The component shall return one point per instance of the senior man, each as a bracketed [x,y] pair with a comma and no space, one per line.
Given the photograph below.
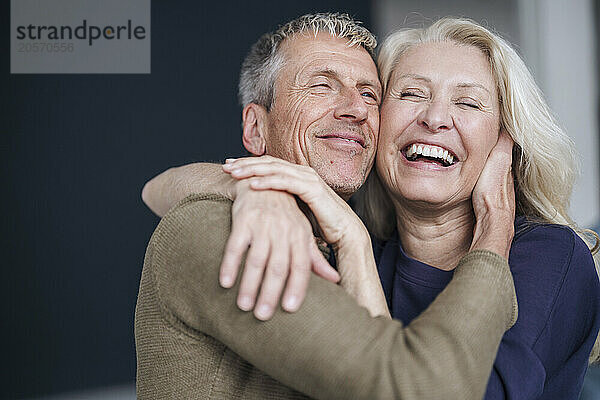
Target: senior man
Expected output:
[307,89]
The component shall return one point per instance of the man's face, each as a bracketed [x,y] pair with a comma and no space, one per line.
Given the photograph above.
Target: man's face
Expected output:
[325,112]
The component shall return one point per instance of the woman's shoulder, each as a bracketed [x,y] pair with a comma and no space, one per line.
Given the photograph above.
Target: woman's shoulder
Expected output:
[558,292]
[551,247]
[551,265]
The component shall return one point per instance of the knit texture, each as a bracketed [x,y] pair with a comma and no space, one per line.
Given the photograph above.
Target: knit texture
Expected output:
[192,340]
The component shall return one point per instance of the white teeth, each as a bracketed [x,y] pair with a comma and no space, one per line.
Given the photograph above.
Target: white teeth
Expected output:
[429,151]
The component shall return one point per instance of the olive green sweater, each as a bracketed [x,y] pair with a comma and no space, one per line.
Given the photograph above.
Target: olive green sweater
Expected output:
[194,343]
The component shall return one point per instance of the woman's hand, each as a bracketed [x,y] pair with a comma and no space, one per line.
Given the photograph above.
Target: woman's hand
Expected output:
[494,200]
[339,225]
[337,221]
[281,251]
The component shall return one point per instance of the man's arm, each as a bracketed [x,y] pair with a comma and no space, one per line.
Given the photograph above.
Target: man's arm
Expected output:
[332,348]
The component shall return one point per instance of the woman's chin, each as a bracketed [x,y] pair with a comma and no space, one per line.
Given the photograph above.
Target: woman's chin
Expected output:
[430,192]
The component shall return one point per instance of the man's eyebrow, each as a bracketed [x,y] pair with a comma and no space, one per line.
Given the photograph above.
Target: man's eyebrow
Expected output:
[325,72]
[368,82]
[334,74]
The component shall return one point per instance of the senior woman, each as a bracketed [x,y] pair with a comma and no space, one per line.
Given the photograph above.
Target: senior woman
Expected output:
[451,90]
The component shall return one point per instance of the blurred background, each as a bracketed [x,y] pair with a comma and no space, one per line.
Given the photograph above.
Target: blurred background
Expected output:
[77,149]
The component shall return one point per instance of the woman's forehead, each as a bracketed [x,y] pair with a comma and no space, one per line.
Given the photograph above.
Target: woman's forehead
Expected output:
[447,61]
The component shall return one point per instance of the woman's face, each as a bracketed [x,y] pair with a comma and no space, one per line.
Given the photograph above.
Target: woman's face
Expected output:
[440,119]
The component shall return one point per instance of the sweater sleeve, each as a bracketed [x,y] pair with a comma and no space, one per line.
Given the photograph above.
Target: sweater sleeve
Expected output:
[331,348]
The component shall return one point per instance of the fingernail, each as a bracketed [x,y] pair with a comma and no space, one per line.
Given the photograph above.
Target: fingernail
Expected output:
[245,303]
[227,166]
[263,312]
[291,303]
[230,160]
[226,281]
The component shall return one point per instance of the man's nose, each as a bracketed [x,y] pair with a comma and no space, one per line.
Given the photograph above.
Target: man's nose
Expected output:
[435,117]
[352,107]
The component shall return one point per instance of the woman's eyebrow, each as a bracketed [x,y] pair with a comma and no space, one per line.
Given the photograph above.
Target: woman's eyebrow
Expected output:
[471,85]
[415,76]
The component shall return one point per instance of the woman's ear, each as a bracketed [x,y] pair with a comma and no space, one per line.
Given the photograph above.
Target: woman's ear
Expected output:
[254,119]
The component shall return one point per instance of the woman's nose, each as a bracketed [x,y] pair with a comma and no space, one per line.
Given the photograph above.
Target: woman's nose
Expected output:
[435,117]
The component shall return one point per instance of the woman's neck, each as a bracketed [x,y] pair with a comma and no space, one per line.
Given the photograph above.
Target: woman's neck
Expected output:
[439,238]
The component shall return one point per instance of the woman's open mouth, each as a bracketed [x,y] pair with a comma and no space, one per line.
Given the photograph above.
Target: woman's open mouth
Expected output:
[427,152]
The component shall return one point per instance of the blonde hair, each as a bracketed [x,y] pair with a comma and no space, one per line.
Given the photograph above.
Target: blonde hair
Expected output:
[544,157]
[263,62]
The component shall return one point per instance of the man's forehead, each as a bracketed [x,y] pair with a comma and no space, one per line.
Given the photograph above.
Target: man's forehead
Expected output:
[307,54]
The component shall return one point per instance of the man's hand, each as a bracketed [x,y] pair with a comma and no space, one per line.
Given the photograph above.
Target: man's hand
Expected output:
[281,250]
[494,201]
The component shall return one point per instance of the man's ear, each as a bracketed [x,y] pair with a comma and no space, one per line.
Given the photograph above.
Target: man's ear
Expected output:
[254,118]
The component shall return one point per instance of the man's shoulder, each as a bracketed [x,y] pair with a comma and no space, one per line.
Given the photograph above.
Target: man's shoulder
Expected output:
[200,215]
[199,203]
[184,255]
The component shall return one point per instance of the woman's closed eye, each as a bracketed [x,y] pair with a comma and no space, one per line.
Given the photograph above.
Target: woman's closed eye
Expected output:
[407,94]
[468,103]
[412,95]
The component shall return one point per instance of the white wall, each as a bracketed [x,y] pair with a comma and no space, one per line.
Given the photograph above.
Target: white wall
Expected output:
[557,40]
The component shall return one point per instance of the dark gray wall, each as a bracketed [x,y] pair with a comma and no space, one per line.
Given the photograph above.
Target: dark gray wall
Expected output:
[75,152]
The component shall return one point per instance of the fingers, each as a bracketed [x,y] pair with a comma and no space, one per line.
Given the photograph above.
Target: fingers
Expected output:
[273,283]
[297,283]
[321,267]
[262,166]
[277,237]
[253,274]
[505,142]
[236,246]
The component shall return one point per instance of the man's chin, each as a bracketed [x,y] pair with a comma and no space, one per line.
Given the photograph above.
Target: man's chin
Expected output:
[345,176]
[345,186]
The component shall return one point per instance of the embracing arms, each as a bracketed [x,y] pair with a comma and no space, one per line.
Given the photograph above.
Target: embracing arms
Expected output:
[331,347]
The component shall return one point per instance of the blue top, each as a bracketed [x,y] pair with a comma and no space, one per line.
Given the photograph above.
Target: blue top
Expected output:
[545,354]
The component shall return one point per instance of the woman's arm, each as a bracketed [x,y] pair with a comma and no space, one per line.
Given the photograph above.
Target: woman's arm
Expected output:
[168,188]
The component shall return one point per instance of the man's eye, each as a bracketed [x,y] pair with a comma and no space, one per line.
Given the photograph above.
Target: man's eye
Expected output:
[321,85]
[369,94]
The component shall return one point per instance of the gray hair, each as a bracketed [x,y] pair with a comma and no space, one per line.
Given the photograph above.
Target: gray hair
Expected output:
[263,62]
